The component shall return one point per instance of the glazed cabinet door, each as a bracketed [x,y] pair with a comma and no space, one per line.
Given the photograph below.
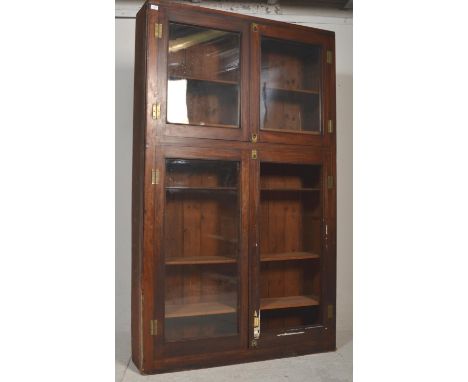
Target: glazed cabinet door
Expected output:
[292,85]
[201,292]
[291,256]
[202,75]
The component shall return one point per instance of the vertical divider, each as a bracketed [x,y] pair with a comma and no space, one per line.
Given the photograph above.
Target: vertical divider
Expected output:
[245,105]
[159,89]
[244,192]
[254,275]
[253,117]
[324,239]
[254,83]
[159,263]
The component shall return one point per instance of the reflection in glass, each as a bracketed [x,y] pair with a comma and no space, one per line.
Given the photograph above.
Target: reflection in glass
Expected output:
[177,112]
[203,76]
[290,86]
[201,248]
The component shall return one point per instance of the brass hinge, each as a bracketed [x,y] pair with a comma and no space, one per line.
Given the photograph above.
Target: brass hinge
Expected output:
[330,181]
[154,176]
[255,27]
[254,138]
[330,126]
[330,312]
[256,325]
[154,327]
[254,154]
[156,110]
[158,30]
[329,56]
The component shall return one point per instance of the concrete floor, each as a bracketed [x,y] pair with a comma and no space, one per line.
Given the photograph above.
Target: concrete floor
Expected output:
[326,367]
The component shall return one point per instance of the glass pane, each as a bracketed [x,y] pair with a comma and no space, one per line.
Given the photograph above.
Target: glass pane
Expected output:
[203,76]
[290,245]
[290,86]
[201,249]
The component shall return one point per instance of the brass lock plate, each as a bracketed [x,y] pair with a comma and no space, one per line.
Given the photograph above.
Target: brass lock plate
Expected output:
[256,325]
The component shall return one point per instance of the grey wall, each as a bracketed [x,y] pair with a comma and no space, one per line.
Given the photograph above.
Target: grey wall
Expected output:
[338,21]
[124,48]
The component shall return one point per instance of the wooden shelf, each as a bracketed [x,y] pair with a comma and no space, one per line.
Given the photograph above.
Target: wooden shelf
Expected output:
[199,309]
[292,131]
[299,189]
[303,91]
[209,124]
[201,188]
[287,302]
[288,256]
[214,80]
[189,260]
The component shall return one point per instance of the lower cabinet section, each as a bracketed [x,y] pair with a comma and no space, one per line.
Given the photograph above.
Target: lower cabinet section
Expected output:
[240,267]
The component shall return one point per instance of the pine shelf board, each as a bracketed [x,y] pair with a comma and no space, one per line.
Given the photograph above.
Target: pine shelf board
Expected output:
[287,302]
[289,189]
[198,309]
[302,91]
[199,188]
[214,80]
[189,260]
[295,131]
[288,256]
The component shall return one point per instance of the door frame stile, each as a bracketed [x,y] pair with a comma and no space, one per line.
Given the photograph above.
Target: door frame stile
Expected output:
[150,239]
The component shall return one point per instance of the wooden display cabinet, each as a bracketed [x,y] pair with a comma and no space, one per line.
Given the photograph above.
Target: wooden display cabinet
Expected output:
[234,196]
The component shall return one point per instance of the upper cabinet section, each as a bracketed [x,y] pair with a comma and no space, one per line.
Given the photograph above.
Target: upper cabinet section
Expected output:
[291,86]
[231,77]
[203,77]
[202,74]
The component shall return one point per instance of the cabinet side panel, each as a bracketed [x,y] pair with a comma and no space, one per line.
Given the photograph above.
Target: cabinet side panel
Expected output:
[139,123]
[333,199]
